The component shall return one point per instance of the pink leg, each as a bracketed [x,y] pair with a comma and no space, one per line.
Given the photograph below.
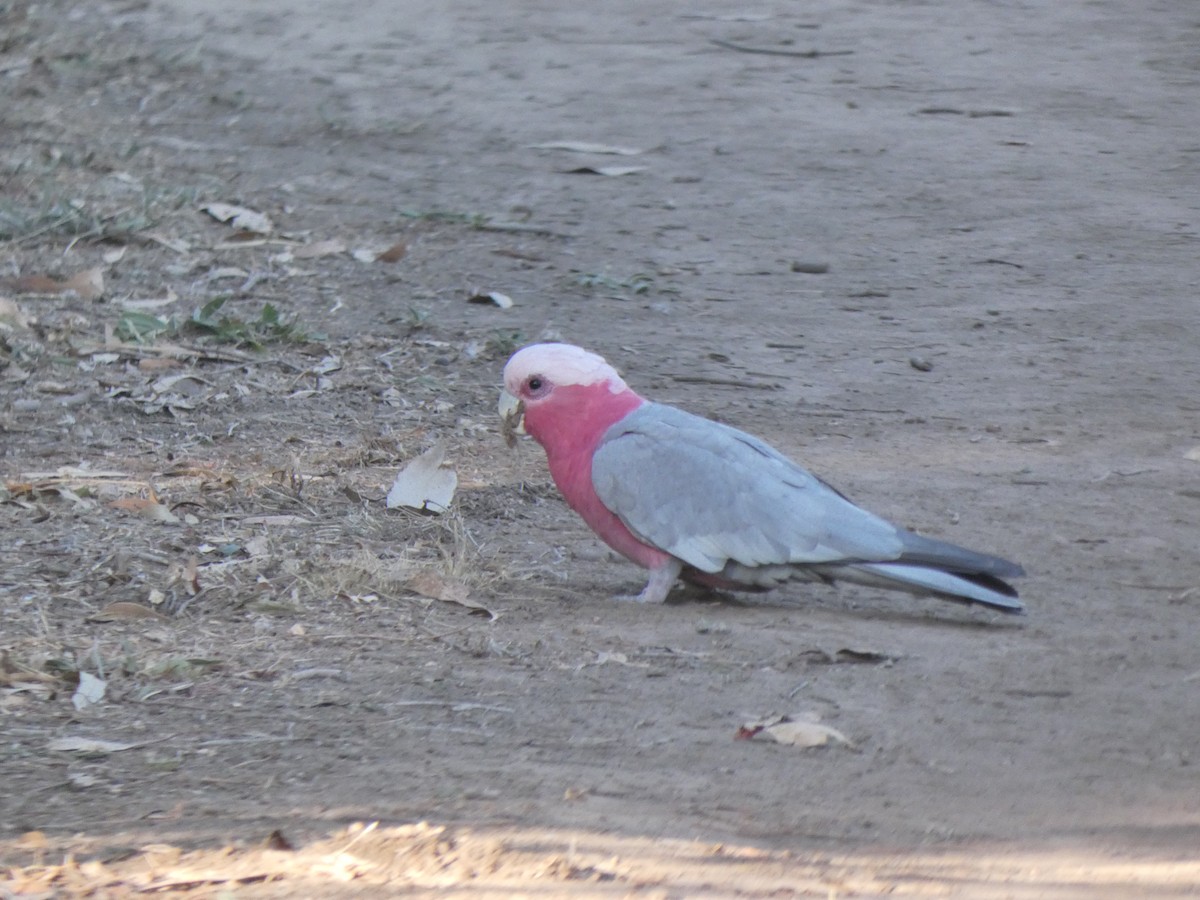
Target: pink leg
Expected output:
[662,579]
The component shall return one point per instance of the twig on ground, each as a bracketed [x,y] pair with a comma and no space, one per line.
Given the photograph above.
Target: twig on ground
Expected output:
[771,51]
[725,382]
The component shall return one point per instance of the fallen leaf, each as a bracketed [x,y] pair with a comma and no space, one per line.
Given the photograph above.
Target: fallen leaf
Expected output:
[158,364]
[87,285]
[87,745]
[259,545]
[394,253]
[327,365]
[81,781]
[818,656]
[608,656]
[240,217]
[90,691]
[493,297]
[276,840]
[37,284]
[11,314]
[436,587]
[276,520]
[177,244]
[226,272]
[13,679]
[33,840]
[318,249]
[862,655]
[804,733]
[147,507]
[585,147]
[607,171]
[124,611]
[423,484]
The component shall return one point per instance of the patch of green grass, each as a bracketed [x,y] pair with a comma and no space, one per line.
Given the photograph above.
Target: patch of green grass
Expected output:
[271,327]
[142,328]
[417,318]
[54,214]
[638,283]
[502,344]
[475,220]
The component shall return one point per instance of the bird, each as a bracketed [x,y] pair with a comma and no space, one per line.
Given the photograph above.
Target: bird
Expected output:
[689,498]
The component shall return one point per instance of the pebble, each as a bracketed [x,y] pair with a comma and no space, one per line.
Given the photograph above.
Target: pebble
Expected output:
[810,268]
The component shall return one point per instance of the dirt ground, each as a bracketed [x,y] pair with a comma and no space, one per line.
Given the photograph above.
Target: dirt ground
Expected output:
[945,253]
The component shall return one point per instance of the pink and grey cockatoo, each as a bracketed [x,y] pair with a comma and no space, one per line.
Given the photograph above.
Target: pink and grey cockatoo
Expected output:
[681,495]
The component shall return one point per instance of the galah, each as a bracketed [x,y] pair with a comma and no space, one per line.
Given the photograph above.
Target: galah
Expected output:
[687,497]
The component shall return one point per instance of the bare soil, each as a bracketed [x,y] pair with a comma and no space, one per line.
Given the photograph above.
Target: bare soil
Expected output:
[944,253]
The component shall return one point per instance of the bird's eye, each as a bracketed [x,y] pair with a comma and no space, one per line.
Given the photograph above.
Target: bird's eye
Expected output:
[535,383]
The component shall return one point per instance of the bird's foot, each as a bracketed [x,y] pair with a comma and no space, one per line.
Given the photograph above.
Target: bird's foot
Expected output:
[658,586]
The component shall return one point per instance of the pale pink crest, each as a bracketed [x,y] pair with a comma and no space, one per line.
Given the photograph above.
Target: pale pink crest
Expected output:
[564,364]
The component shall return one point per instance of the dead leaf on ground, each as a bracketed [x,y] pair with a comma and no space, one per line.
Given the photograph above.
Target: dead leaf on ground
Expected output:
[87,285]
[147,507]
[394,253]
[276,520]
[33,840]
[89,692]
[852,655]
[124,611]
[438,587]
[803,733]
[423,484]
[157,364]
[87,745]
[12,673]
[240,217]
[495,298]
[607,171]
[586,147]
[612,656]
[11,314]
[317,249]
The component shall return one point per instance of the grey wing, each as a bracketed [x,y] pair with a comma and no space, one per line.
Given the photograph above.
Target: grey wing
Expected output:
[709,494]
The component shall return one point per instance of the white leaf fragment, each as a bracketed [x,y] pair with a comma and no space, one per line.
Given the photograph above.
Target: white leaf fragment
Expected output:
[494,297]
[423,483]
[90,691]
[607,171]
[240,217]
[804,732]
[317,249]
[585,147]
[87,745]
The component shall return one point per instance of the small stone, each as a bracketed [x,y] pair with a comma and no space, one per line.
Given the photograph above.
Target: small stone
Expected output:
[810,268]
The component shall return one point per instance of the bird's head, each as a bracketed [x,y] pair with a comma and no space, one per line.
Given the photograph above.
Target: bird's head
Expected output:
[556,387]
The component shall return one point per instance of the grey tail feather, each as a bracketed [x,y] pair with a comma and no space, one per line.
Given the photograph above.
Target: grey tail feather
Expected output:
[968,587]
[922,551]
